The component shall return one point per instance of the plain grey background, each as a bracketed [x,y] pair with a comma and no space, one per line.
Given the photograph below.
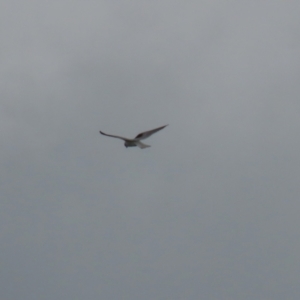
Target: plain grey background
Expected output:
[211,210]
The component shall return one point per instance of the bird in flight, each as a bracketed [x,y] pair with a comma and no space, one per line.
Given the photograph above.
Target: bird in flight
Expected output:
[137,140]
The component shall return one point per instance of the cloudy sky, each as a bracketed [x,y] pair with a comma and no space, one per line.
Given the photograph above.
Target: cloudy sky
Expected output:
[211,210]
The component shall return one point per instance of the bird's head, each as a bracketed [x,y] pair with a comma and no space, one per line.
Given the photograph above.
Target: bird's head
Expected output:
[129,144]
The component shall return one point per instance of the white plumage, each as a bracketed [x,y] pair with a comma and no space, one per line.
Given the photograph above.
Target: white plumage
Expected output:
[137,140]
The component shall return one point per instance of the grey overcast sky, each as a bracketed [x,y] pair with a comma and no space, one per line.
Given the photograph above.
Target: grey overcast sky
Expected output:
[211,210]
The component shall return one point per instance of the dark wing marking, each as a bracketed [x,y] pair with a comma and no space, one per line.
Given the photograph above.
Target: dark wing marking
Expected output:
[114,136]
[146,134]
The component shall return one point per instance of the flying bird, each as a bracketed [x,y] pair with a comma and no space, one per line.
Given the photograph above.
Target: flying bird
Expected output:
[137,140]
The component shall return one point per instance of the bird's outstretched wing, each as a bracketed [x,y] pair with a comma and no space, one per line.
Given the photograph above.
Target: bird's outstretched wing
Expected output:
[146,134]
[114,136]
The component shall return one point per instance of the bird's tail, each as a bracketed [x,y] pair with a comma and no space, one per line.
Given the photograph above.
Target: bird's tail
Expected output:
[141,145]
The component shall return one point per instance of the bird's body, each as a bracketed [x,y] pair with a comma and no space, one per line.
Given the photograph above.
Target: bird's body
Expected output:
[136,141]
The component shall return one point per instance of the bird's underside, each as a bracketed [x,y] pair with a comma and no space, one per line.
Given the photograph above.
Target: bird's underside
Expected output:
[136,141]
